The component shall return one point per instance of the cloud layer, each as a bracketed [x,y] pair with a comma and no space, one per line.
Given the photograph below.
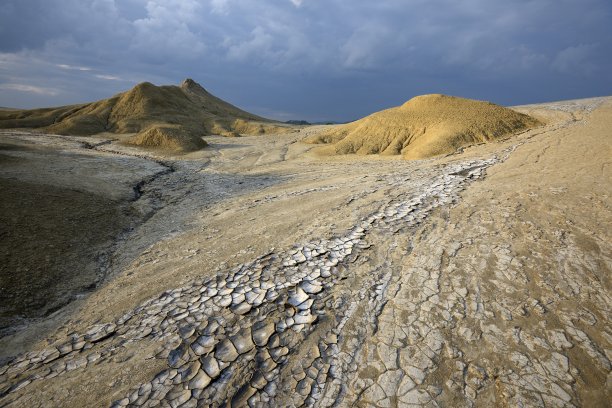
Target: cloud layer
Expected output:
[312,59]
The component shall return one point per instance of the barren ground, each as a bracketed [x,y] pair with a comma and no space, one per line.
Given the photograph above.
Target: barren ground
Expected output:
[256,272]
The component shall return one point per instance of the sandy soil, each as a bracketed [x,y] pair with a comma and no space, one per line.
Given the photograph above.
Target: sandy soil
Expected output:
[493,290]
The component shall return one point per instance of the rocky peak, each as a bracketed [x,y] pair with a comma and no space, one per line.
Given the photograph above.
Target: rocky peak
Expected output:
[189,84]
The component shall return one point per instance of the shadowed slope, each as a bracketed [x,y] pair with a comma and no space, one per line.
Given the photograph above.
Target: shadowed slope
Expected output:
[425,126]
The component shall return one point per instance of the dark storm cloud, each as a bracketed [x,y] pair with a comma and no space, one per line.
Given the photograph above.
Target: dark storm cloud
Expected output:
[312,59]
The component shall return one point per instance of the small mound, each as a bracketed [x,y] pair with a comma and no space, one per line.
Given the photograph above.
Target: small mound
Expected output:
[239,127]
[168,138]
[256,128]
[426,126]
[229,133]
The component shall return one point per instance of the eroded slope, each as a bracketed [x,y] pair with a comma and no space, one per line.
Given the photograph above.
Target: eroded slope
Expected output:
[426,126]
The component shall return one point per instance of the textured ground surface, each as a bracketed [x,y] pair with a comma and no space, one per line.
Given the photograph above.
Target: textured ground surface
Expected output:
[258,274]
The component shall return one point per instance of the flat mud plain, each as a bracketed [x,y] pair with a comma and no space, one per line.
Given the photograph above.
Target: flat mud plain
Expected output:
[255,272]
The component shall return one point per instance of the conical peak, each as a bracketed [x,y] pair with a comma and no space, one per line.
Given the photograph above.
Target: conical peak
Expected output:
[187,82]
[190,85]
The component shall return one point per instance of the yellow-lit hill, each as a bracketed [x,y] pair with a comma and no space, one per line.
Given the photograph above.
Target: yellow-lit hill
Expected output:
[169,115]
[168,138]
[425,126]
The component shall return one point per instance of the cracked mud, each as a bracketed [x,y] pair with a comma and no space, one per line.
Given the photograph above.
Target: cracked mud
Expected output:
[265,277]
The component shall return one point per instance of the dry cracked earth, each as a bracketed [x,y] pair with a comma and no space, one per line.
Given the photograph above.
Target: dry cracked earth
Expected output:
[256,273]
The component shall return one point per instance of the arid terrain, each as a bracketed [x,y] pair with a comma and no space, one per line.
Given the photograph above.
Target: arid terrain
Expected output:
[259,272]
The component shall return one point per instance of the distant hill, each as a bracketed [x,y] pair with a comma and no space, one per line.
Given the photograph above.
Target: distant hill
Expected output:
[172,117]
[306,123]
[425,126]
[330,122]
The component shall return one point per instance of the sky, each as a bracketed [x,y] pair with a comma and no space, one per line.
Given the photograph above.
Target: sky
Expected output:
[316,60]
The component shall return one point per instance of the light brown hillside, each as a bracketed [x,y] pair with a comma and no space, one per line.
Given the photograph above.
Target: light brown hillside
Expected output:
[179,113]
[425,126]
[172,139]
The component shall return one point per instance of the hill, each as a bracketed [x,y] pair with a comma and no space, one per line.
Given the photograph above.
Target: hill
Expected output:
[425,126]
[182,114]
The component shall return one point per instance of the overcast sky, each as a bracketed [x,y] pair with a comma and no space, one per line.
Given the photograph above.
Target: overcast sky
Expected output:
[307,59]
